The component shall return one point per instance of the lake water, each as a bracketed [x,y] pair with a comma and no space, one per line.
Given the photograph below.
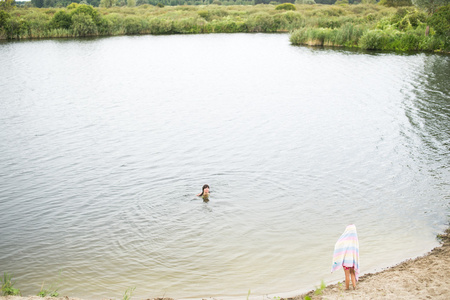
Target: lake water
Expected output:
[106,142]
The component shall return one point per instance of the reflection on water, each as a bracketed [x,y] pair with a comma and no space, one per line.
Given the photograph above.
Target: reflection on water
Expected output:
[102,157]
[427,106]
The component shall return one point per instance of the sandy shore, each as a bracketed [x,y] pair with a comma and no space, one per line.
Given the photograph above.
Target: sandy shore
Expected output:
[426,277]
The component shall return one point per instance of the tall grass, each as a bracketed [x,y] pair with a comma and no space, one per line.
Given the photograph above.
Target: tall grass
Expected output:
[8,288]
[347,35]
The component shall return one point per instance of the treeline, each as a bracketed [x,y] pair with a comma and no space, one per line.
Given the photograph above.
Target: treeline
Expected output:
[110,3]
[363,26]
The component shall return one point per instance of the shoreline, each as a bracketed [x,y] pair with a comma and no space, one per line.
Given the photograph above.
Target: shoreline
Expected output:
[423,277]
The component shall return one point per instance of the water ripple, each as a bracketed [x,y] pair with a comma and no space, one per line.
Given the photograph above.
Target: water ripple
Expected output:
[99,171]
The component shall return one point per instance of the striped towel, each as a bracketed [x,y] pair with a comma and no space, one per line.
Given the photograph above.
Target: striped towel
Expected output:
[346,251]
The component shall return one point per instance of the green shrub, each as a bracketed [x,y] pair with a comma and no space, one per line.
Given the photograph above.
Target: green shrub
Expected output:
[72,5]
[261,22]
[16,28]
[83,25]
[349,34]
[299,37]
[160,26]
[133,25]
[61,19]
[409,41]
[329,22]
[440,20]
[372,40]
[341,2]
[395,3]
[289,20]
[4,17]
[112,24]
[86,10]
[285,6]
[205,14]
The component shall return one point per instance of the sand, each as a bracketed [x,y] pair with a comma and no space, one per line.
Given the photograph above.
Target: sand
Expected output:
[425,277]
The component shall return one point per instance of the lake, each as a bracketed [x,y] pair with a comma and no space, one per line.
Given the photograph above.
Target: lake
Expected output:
[106,142]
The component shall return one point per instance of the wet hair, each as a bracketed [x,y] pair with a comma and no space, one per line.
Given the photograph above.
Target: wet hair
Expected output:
[203,189]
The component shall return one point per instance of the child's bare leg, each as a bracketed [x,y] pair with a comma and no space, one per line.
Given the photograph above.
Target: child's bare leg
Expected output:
[347,278]
[352,272]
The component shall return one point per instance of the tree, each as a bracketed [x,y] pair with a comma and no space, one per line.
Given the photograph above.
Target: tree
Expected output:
[7,4]
[83,25]
[440,20]
[131,3]
[4,17]
[87,10]
[107,3]
[38,3]
[430,5]
[61,19]
[305,2]
[395,3]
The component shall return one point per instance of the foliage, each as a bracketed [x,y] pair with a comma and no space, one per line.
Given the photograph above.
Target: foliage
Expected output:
[4,17]
[61,19]
[83,25]
[430,5]
[132,25]
[8,286]
[72,5]
[383,28]
[341,2]
[395,3]
[88,10]
[440,20]
[128,293]
[107,3]
[52,290]
[305,2]
[285,6]
[319,290]
[6,4]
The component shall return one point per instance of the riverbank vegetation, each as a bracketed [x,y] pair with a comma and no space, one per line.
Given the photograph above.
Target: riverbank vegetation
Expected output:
[366,26]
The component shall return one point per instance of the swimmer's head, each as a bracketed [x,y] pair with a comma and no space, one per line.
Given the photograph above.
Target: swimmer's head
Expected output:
[205,190]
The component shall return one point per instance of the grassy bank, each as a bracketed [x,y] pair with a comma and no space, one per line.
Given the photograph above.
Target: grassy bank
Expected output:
[365,26]
[404,29]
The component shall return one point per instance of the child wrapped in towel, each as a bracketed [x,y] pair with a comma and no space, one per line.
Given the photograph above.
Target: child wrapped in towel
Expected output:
[346,255]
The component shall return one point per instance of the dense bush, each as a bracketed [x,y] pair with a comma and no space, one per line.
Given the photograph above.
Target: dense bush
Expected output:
[440,20]
[83,25]
[395,3]
[61,19]
[285,6]
[133,25]
[86,10]
[4,17]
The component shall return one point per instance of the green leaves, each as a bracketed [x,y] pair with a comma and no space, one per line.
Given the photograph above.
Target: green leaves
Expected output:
[8,286]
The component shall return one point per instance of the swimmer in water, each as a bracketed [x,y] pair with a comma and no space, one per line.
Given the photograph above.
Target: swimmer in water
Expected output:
[205,192]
